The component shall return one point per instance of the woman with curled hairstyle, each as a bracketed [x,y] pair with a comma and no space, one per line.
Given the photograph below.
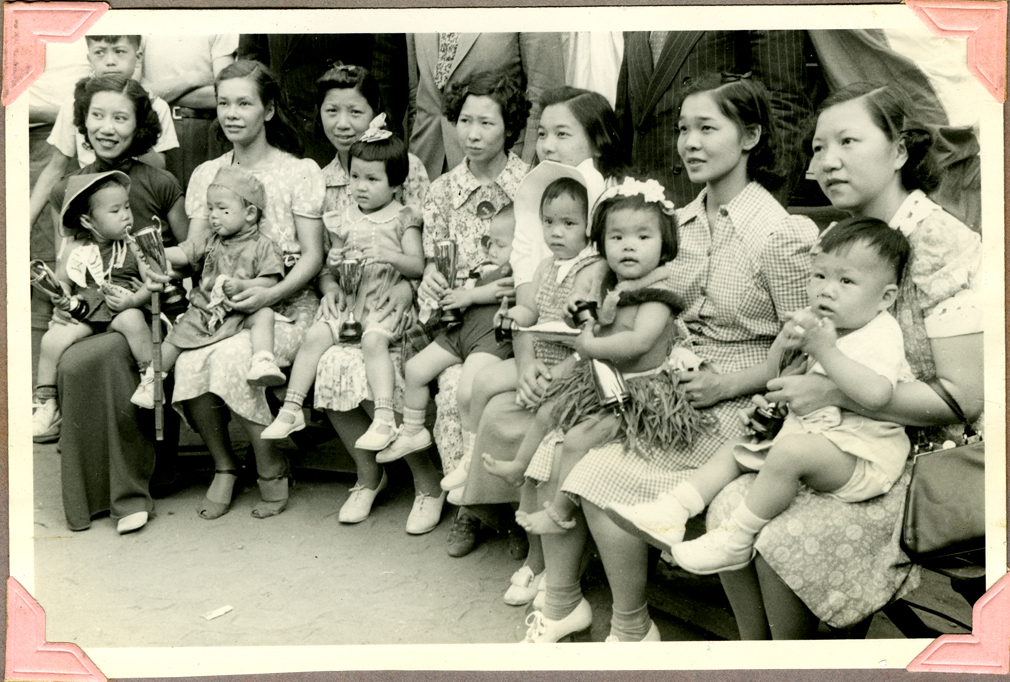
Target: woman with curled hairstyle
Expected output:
[109,469]
[871,159]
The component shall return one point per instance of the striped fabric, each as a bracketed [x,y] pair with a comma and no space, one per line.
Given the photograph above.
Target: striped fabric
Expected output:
[647,97]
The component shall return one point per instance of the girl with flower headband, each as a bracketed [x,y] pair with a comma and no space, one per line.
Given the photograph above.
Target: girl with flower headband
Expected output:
[635,231]
[741,269]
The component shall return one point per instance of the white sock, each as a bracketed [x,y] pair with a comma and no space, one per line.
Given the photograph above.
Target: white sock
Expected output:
[689,496]
[747,521]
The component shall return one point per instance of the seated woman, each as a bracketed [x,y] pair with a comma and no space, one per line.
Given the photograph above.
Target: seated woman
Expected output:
[741,270]
[789,588]
[110,469]
[212,380]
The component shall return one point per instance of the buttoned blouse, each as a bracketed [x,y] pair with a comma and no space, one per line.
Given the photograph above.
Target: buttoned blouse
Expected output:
[741,276]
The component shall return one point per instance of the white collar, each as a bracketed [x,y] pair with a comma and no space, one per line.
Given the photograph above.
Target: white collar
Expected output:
[913,210]
[565,266]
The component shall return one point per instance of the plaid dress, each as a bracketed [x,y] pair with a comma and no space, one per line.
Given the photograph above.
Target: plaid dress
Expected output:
[739,277]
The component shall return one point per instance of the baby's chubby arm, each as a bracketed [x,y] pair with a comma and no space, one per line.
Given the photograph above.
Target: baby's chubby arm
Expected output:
[860,383]
[234,286]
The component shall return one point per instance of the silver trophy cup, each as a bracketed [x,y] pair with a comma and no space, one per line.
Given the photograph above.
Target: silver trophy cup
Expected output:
[445,263]
[348,273]
[44,280]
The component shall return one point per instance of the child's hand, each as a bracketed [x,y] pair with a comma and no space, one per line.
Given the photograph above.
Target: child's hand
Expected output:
[817,334]
[532,384]
[457,298]
[335,255]
[118,298]
[373,253]
[232,287]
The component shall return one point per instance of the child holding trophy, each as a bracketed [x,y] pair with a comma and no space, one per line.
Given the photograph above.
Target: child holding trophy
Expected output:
[375,243]
[235,258]
[96,284]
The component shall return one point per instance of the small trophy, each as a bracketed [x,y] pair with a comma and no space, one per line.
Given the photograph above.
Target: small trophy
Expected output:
[445,263]
[150,249]
[767,421]
[44,280]
[348,273]
[506,327]
[608,380]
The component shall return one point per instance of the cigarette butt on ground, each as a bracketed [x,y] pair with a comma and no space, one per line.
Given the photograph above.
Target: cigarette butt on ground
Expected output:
[211,615]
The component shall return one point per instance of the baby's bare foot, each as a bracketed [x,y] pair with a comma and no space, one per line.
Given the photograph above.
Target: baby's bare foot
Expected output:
[541,523]
[513,471]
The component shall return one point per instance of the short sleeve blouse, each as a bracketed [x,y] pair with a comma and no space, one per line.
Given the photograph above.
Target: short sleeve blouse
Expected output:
[294,187]
[452,208]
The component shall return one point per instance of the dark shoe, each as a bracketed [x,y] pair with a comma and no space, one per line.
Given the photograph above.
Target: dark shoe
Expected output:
[463,534]
[519,544]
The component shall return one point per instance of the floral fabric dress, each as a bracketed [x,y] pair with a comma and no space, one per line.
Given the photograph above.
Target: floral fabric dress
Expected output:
[843,560]
[341,384]
[294,187]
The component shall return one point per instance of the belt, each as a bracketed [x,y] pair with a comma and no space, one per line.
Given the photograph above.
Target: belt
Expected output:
[186,112]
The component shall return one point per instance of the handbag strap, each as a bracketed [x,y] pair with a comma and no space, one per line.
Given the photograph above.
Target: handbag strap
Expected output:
[944,394]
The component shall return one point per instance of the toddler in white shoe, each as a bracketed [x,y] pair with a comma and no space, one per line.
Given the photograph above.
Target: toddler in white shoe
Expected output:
[234,258]
[847,335]
[385,236]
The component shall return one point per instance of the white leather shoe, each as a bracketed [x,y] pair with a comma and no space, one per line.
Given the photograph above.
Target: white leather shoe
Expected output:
[544,631]
[379,436]
[524,586]
[661,522]
[359,504]
[286,423]
[722,549]
[651,636]
[131,522]
[425,514]
[457,477]
[405,445]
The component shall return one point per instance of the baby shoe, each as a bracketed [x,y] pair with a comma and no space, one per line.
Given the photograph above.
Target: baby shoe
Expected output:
[661,522]
[524,586]
[723,549]
[263,370]
[378,436]
[651,636]
[455,496]
[425,514]
[405,445]
[144,395]
[545,631]
[457,477]
[287,422]
[46,421]
[359,503]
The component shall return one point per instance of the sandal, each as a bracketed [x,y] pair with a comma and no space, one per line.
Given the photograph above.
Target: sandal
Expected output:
[274,497]
[209,509]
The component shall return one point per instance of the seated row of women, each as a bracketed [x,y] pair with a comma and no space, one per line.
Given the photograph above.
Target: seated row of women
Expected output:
[621,427]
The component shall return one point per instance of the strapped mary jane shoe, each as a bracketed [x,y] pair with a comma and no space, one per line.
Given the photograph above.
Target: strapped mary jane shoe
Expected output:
[524,586]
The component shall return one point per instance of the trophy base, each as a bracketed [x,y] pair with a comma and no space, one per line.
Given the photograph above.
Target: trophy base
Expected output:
[350,332]
[452,317]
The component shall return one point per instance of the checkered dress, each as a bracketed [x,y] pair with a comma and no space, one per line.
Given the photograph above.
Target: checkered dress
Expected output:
[742,276]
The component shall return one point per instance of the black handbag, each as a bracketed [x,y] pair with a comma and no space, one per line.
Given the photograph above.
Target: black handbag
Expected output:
[945,507]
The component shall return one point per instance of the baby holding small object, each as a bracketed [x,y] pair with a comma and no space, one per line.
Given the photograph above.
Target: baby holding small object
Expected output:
[634,229]
[849,336]
[100,278]
[235,258]
[384,237]
[471,343]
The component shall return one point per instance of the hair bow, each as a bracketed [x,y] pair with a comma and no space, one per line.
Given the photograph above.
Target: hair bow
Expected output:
[377,130]
[650,190]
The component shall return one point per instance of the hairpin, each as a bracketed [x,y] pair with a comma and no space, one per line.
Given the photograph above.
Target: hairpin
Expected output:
[376,130]
[650,190]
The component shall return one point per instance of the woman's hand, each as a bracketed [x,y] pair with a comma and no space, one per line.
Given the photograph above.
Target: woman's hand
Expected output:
[433,285]
[332,304]
[703,388]
[395,301]
[505,287]
[803,393]
[61,316]
[253,299]
[532,384]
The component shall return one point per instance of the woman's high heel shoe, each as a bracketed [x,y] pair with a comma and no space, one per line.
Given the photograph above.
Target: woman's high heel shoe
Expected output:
[209,509]
[274,494]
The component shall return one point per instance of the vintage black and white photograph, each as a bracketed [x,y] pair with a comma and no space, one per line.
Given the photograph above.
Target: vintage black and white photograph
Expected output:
[514,338]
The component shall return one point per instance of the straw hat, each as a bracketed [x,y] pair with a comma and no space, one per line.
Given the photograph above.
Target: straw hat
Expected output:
[75,198]
[531,190]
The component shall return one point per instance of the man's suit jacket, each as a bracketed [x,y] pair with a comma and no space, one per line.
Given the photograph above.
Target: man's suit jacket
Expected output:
[647,97]
[532,58]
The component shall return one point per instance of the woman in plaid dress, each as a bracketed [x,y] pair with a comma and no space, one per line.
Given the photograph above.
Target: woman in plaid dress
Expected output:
[741,268]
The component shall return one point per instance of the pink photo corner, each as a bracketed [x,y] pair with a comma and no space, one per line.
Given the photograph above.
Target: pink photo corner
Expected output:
[28,26]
